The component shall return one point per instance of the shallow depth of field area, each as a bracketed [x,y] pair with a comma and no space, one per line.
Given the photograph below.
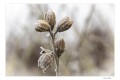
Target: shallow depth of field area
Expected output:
[89,43]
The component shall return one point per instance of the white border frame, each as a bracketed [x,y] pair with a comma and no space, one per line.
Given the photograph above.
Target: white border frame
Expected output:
[3,41]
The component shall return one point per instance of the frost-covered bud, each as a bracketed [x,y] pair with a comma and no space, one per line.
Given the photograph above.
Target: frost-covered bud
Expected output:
[42,26]
[60,46]
[50,18]
[45,60]
[64,24]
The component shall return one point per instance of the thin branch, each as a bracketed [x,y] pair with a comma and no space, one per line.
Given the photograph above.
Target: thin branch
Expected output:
[55,33]
[55,56]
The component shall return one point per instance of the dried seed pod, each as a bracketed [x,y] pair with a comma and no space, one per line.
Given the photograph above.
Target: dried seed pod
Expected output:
[64,24]
[42,26]
[60,46]
[45,61]
[50,18]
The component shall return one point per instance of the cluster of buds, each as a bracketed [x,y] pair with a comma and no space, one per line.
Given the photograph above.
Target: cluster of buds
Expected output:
[49,22]
[47,25]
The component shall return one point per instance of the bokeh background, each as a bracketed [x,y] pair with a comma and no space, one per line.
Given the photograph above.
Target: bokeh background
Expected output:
[89,43]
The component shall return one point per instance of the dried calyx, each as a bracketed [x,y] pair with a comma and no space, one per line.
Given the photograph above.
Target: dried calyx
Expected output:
[50,18]
[64,24]
[42,26]
[60,47]
[45,60]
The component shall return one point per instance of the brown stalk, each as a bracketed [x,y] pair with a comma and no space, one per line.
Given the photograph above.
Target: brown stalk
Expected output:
[54,51]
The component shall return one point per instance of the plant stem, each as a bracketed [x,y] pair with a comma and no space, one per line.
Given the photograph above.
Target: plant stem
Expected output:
[55,56]
[57,66]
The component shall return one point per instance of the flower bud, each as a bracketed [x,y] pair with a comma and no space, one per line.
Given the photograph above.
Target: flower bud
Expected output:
[45,61]
[64,24]
[42,26]
[50,18]
[60,46]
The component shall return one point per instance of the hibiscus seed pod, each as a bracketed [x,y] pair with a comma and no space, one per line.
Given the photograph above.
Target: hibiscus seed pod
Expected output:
[45,61]
[42,26]
[60,47]
[50,18]
[64,24]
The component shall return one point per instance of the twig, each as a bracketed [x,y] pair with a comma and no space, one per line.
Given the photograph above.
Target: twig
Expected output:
[55,56]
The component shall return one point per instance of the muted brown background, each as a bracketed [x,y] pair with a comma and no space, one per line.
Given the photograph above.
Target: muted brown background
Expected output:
[89,45]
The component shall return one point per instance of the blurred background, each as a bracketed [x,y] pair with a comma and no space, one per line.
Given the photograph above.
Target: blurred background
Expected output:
[92,34]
